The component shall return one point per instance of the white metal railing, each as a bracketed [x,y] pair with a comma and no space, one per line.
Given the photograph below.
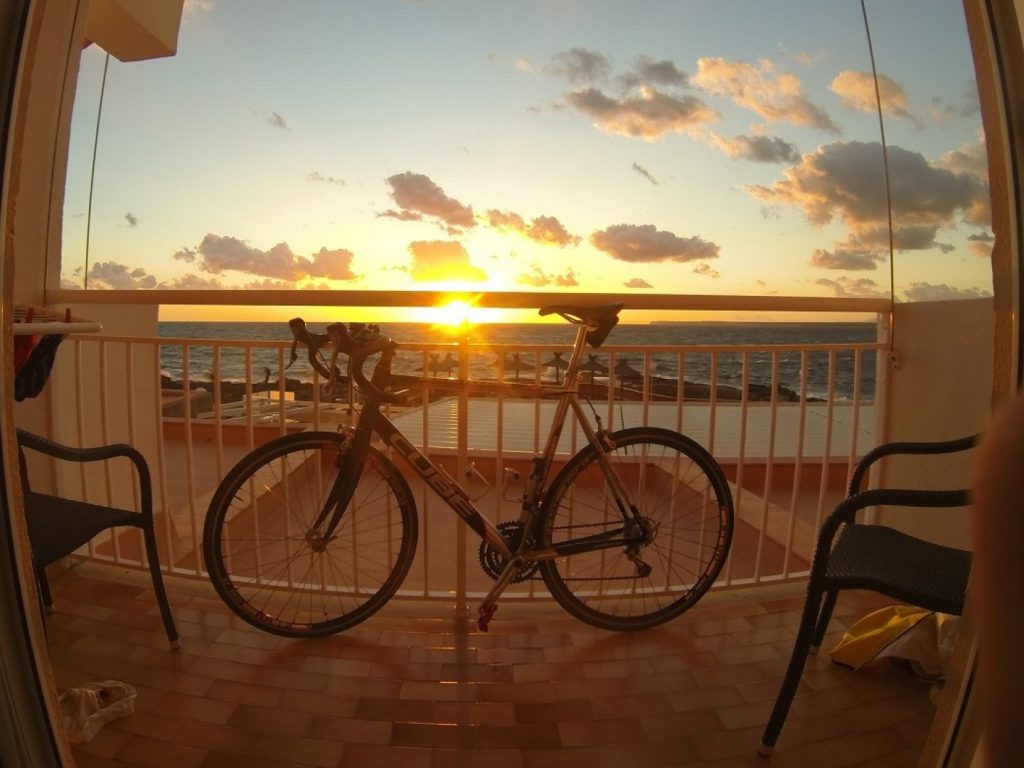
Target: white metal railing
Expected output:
[787,453]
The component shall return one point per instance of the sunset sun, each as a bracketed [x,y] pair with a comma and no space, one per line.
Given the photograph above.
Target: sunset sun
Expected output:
[454,314]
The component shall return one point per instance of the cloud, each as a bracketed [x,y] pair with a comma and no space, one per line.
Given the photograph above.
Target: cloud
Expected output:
[861,287]
[760,149]
[644,243]
[650,114]
[549,230]
[845,180]
[546,230]
[505,221]
[775,96]
[196,6]
[440,260]
[419,198]
[972,159]
[846,259]
[277,121]
[707,270]
[187,255]
[941,110]
[220,254]
[524,65]
[644,102]
[193,282]
[132,219]
[981,244]
[112,276]
[647,71]
[538,278]
[579,66]
[118,277]
[332,264]
[942,292]
[646,174]
[637,282]
[856,91]
[316,176]
[269,284]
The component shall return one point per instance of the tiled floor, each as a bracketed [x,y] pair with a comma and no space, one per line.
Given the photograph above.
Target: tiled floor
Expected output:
[415,687]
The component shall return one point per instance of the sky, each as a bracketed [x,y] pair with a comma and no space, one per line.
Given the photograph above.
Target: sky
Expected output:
[682,147]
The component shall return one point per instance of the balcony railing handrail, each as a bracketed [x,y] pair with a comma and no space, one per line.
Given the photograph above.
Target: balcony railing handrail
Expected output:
[637,349]
[489,299]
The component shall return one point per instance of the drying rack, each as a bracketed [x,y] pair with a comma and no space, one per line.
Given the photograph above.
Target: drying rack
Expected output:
[32,321]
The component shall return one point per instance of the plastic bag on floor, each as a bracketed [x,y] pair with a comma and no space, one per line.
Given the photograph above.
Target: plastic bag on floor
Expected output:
[923,639]
[86,710]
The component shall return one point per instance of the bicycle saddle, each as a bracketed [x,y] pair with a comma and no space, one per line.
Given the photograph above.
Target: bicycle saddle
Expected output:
[603,317]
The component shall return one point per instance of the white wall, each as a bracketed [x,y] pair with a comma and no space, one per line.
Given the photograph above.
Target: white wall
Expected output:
[941,388]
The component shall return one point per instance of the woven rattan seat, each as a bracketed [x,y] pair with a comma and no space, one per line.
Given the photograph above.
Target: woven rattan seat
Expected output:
[58,526]
[856,555]
[905,568]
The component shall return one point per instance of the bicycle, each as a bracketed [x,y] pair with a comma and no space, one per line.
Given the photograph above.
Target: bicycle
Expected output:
[312,532]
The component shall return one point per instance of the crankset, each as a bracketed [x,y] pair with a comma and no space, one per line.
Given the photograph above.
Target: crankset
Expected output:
[492,561]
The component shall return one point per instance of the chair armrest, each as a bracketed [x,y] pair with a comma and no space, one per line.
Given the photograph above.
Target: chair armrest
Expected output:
[905,448]
[97,453]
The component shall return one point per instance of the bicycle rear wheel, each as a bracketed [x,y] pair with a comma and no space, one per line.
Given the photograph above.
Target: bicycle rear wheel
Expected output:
[684,500]
[275,573]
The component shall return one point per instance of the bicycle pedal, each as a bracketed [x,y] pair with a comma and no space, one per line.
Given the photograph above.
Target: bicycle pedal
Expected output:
[486,613]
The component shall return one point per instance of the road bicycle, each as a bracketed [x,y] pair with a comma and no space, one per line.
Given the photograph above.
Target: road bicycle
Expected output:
[312,532]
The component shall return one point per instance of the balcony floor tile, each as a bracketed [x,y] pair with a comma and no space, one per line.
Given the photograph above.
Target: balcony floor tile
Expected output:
[412,686]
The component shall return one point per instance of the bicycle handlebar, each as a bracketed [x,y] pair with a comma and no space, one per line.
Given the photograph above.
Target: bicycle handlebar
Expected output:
[359,341]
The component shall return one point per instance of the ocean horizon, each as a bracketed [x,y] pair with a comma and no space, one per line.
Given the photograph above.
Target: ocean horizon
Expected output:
[695,367]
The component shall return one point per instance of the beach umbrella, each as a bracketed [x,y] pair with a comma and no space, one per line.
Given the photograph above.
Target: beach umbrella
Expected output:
[435,365]
[623,371]
[594,366]
[515,363]
[449,363]
[558,364]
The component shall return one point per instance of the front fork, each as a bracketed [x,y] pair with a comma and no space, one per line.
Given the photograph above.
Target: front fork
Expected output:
[350,460]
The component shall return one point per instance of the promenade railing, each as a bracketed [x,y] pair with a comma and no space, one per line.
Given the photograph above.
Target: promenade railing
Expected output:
[787,422]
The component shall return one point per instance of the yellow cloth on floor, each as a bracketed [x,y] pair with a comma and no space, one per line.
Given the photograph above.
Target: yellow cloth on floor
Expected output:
[870,636]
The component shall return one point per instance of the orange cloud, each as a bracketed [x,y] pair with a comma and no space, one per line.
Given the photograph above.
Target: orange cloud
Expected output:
[775,96]
[440,260]
[856,90]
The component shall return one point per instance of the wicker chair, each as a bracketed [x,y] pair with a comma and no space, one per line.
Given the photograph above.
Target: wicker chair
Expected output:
[58,526]
[852,555]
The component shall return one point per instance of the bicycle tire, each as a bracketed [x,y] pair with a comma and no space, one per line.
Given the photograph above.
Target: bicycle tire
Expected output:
[265,568]
[679,489]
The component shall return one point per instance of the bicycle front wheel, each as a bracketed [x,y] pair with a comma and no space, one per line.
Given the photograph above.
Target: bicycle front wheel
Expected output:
[684,503]
[274,570]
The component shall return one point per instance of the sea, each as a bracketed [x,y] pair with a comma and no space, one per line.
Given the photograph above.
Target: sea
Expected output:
[424,346]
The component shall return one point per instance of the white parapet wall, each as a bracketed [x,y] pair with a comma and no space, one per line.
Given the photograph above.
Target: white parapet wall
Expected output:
[940,389]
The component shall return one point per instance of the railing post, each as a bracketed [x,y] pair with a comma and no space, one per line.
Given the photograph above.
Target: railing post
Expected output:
[461,463]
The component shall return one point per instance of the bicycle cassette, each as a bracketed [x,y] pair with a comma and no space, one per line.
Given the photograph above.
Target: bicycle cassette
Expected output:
[492,561]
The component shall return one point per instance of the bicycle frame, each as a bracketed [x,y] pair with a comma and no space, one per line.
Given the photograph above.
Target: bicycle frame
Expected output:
[373,420]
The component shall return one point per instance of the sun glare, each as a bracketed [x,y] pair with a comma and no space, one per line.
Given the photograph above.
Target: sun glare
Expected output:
[455,314]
